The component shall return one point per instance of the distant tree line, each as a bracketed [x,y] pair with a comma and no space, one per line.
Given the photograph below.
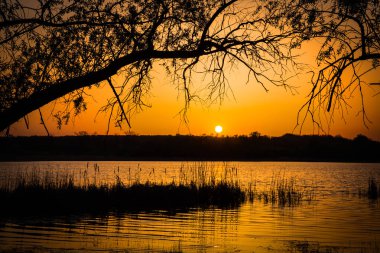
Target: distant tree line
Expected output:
[255,147]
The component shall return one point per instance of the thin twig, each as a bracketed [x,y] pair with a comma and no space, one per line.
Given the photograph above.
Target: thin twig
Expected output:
[43,122]
[119,101]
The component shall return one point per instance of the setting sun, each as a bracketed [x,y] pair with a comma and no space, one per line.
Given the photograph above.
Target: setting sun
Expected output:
[218,129]
[107,109]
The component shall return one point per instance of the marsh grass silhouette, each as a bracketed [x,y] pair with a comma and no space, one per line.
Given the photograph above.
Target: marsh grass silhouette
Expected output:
[373,188]
[281,191]
[49,192]
[372,191]
[198,186]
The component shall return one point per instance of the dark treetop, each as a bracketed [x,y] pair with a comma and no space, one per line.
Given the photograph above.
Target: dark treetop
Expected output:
[55,49]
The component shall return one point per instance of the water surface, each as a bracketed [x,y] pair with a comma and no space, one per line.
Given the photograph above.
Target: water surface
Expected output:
[338,220]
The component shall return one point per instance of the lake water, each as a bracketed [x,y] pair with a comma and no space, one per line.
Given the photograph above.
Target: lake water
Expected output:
[336,220]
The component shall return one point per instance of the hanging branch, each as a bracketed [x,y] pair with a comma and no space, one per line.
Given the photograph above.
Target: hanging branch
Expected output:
[43,122]
[119,102]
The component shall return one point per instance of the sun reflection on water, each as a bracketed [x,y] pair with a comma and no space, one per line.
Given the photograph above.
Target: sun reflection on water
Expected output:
[337,221]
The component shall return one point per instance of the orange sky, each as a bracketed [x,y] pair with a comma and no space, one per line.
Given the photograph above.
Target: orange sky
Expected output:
[272,113]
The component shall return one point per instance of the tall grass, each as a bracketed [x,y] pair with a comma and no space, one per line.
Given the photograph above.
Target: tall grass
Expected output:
[372,191]
[51,192]
[198,185]
[373,188]
[282,191]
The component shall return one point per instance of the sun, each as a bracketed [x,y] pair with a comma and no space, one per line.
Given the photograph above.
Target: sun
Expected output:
[218,129]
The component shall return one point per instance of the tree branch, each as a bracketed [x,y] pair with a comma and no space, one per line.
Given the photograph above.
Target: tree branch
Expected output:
[57,90]
[118,101]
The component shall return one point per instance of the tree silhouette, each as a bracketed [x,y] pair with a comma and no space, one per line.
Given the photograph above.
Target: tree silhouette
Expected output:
[351,45]
[55,49]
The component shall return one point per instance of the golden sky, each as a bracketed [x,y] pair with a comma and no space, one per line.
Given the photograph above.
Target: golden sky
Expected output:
[249,108]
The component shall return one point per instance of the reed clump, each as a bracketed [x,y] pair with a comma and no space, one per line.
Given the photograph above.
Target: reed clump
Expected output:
[281,191]
[198,185]
[50,193]
[373,188]
[372,191]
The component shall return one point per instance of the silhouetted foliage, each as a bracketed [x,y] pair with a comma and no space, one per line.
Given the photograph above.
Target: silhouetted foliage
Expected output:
[50,193]
[351,45]
[37,198]
[53,49]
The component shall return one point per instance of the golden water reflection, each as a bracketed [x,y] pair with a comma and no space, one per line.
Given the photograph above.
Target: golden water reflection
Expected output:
[336,221]
[254,227]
